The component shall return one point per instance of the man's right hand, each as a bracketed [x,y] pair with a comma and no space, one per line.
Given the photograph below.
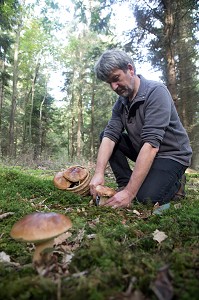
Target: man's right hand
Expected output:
[97,179]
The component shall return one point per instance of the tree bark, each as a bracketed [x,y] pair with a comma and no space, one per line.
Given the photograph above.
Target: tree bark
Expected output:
[12,146]
[92,151]
[79,126]
[32,96]
[1,102]
[40,122]
[169,22]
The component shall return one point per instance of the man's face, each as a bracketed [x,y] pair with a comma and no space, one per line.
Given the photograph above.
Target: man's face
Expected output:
[122,82]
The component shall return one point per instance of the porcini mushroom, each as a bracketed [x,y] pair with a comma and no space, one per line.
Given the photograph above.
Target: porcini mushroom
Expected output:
[41,229]
[104,193]
[61,182]
[75,174]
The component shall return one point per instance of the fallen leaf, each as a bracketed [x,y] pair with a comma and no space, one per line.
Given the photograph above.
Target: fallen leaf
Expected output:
[162,286]
[62,238]
[4,257]
[145,214]
[5,215]
[159,236]
[67,258]
[136,212]
[91,236]
[177,205]
[94,222]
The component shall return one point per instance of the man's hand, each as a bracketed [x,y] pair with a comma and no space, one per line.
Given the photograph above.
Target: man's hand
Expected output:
[95,181]
[105,151]
[120,199]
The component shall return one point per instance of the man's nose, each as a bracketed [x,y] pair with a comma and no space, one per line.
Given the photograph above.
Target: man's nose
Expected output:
[114,85]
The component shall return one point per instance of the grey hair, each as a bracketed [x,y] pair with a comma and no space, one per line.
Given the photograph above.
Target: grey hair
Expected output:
[111,60]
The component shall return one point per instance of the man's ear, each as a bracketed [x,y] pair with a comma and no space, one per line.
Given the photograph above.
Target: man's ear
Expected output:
[131,69]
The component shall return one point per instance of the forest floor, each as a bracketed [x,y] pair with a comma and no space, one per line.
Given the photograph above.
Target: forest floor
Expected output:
[110,254]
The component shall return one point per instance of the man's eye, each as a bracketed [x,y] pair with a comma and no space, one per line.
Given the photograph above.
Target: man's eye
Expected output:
[115,78]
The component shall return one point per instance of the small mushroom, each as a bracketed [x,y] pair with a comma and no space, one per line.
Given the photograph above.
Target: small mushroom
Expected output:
[75,174]
[60,181]
[41,229]
[104,193]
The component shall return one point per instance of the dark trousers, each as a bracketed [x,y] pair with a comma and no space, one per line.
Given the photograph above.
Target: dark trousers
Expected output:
[162,181]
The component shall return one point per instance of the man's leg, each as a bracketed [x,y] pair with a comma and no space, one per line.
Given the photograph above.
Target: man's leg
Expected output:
[118,160]
[162,182]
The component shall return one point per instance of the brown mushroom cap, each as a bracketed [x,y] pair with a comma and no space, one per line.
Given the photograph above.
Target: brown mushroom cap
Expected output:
[60,181]
[75,174]
[38,227]
[105,191]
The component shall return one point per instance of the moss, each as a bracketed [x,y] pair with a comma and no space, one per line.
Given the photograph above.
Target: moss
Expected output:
[110,247]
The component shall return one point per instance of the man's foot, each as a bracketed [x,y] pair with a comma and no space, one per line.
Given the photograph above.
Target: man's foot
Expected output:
[181,192]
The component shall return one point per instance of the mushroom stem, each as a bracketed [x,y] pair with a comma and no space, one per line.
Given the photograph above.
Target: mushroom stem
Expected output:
[38,256]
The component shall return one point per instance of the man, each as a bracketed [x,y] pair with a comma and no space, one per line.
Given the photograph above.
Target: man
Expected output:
[144,127]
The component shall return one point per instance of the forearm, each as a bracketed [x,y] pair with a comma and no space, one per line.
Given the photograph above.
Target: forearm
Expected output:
[104,153]
[142,166]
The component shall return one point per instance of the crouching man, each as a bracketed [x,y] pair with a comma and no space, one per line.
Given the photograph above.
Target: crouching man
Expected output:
[145,128]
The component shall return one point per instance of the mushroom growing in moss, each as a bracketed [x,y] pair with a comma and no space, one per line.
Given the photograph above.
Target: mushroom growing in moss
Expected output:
[41,229]
[104,193]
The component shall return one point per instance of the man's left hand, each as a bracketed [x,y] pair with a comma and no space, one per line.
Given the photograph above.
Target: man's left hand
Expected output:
[120,199]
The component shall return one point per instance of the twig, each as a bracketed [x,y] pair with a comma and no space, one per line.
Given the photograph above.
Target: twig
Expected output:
[5,215]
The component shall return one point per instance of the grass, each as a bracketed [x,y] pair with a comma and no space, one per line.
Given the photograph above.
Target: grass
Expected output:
[110,254]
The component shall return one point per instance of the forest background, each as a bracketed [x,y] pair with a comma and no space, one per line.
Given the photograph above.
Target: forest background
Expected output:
[38,38]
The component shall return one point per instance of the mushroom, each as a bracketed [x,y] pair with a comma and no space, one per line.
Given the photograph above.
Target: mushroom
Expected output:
[75,174]
[104,193]
[60,181]
[41,229]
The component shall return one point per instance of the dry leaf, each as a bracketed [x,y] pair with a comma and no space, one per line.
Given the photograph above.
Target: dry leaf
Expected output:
[178,205]
[5,215]
[4,257]
[62,238]
[136,212]
[162,286]
[67,258]
[91,236]
[159,236]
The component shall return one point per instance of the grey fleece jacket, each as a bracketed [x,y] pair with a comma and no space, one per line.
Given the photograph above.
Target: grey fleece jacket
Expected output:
[151,118]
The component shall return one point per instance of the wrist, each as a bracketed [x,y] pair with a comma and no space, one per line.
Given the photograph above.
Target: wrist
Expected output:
[130,193]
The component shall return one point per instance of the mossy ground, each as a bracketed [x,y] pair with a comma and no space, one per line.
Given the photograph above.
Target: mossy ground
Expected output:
[113,254]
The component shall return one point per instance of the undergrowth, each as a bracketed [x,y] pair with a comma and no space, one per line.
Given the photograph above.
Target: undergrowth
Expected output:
[113,253]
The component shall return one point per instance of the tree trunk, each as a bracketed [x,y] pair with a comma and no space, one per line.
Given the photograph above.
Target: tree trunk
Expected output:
[12,146]
[92,151]
[32,96]
[72,136]
[79,127]
[40,122]
[169,48]
[188,81]
[1,102]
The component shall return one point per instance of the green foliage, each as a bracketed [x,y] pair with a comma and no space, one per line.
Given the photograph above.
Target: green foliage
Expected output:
[110,247]
[8,13]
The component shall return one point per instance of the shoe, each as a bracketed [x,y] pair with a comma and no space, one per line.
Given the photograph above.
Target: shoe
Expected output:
[181,192]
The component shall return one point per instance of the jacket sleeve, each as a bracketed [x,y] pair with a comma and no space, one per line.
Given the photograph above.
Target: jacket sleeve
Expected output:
[115,126]
[157,116]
